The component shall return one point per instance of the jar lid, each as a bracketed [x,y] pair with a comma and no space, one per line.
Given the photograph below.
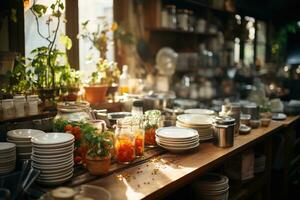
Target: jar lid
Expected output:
[225,120]
[73,106]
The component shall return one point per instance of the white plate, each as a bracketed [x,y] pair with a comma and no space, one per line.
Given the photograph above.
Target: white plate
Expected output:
[199,111]
[49,160]
[27,134]
[19,142]
[53,146]
[2,161]
[7,147]
[53,152]
[201,126]
[52,139]
[56,162]
[69,146]
[55,176]
[55,182]
[195,119]
[52,166]
[279,116]
[176,133]
[177,150]
[65,154]
[171,145]
[177,142]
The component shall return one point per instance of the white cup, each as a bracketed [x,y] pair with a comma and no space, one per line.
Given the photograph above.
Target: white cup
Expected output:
[8,108]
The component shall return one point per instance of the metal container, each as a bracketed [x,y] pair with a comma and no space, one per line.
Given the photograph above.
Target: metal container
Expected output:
[251,109]
[158,101]
[224,131]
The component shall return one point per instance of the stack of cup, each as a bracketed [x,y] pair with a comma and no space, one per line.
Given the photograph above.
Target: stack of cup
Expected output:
[33,101]
[19,102]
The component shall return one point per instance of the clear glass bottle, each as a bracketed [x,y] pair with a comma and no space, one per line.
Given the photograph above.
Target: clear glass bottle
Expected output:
[124,80]
[124,142]
[183,19]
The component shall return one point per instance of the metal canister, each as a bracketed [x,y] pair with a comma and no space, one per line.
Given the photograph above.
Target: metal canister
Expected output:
[251,109]
[224,131]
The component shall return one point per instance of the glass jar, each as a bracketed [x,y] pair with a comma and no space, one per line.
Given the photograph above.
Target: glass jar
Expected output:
[172,16]
[19,102]
[183,19]
[70,118]
[33,102]
[124,142]
[73,111]
[164,18]
[8,108]
[152,122]
[139,133]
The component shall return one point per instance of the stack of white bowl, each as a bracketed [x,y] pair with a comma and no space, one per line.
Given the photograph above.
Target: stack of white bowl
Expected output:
[199,122]
[211,186]
[22,139]
[53,156]
[7,157]
[177,139]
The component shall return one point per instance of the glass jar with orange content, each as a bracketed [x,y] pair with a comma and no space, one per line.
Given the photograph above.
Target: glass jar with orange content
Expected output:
[124,142]
[152,122]
[139,133]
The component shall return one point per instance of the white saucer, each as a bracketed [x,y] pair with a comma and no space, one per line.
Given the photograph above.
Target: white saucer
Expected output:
[52,139]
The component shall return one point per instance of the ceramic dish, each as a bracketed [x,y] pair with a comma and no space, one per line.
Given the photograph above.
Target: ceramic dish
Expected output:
[279,116]
[176,133]
[7,147]
[53,146]
[195,119]
[23,134]
[265,122]
[52,138]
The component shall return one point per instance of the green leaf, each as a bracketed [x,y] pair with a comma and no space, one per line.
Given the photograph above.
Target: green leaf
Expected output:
[85,23]
[66,41]
[61,5]
[13,15]
[39,9]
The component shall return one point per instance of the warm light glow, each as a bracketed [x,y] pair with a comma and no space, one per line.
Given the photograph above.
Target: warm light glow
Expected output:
[286,68]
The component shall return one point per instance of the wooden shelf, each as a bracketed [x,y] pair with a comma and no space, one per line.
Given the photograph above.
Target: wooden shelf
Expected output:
[178,31]
[249,188]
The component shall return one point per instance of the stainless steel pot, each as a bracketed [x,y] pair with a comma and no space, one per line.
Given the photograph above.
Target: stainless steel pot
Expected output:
[224,131]
[158,101]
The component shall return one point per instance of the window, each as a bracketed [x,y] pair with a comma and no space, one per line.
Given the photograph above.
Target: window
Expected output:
[249,42]
[261,41]
[91,10]
[32,39]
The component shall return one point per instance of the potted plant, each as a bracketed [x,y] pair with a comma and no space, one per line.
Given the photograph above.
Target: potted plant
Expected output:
[98,157]
[105,79]
[48,61]
[107,74]
[69,83]
[15,81]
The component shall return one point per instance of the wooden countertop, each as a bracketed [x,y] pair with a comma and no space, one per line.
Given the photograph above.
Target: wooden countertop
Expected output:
[162,175]
[289,120]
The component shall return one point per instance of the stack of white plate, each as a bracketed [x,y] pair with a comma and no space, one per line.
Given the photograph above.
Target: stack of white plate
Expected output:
[199,122]
[22,139]
[7,157]
[177,139]
[53,156]
[211,187]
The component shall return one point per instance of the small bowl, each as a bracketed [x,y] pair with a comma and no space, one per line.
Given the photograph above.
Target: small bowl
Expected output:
[254,123]
[244,129]
[265,122]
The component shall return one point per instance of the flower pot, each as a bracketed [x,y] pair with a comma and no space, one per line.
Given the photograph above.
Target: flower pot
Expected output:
[95,94]
[98,166]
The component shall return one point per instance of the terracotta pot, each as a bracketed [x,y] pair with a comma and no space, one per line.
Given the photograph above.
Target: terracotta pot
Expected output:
[98,166]
[95,94]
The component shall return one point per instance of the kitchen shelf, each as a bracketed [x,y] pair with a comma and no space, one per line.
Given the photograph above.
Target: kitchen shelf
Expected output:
[178,31]
[249,188]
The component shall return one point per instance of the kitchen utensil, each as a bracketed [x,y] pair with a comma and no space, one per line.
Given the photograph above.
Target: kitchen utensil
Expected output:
[224,131]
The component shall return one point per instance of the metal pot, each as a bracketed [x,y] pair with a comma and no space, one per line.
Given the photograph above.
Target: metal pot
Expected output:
[224,131]
[158,101]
